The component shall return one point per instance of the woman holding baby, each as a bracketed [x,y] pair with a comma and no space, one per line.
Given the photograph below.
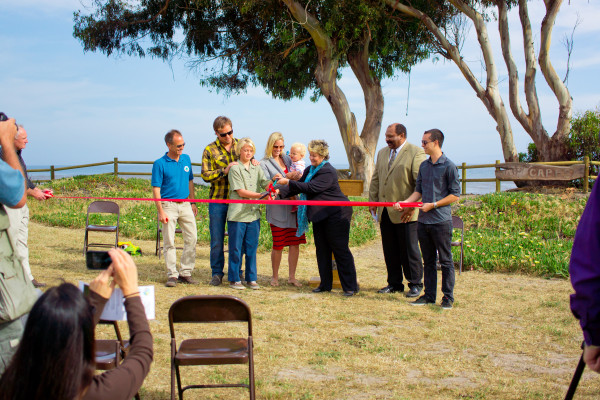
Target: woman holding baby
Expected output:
[282,219]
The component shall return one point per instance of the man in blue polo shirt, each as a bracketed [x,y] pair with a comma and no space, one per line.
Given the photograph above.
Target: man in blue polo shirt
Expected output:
[172,178]
[437,185]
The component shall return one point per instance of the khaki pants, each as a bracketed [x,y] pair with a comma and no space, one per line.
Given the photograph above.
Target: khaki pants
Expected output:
[19,226]
[179,213]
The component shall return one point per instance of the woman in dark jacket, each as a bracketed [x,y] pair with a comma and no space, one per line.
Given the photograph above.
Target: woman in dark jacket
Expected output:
[55,359]
[331,225]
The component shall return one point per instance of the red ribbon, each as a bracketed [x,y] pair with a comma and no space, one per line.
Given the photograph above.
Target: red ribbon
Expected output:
[272,202]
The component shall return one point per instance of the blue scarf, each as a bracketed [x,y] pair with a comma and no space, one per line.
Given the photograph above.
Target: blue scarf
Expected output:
[302,217]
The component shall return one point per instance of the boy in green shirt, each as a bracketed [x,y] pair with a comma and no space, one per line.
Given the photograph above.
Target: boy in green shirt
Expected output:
[243,220]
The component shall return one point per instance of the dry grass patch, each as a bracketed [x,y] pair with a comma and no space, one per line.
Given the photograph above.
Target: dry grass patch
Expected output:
[508,337]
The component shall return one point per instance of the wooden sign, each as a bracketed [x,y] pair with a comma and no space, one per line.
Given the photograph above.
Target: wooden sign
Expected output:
[538,172]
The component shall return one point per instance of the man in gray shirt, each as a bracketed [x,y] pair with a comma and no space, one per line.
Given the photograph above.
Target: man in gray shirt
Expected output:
[437,185]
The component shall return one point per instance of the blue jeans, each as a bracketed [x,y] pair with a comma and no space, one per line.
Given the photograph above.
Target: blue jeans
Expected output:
[217,218]
[243,240]
[436,238]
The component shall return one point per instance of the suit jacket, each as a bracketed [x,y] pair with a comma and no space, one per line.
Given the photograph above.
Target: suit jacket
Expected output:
[397,182]
[323,186]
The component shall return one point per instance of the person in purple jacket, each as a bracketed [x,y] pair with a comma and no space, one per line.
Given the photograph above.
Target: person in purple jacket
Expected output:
[584,269]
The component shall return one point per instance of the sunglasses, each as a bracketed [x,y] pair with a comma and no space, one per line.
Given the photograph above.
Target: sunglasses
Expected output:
[278,147]
[226,133]
[424,142]
[180,145]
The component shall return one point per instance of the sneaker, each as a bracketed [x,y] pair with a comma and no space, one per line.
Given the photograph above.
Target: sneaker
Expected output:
[446,303]
[216,280]
[187,279]
[171,282]
[253,285]
[237,285]
[421,301]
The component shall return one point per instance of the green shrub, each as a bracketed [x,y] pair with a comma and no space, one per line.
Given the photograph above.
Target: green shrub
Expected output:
[531,233]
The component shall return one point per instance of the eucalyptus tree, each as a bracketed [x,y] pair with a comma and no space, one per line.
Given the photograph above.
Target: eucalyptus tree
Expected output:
[289,47]
[481,13]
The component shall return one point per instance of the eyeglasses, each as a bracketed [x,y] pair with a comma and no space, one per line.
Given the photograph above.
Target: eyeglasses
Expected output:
[226,133]
[278,147]
[180,145]
[424,142]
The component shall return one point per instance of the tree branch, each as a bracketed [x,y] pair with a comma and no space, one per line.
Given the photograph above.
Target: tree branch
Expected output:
[513,73]
[558,87]
[452,51]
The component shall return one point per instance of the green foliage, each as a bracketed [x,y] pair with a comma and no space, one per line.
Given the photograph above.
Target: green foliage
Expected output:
[236,43]
[531,155]
[584,135]
[523,232]
[138,218]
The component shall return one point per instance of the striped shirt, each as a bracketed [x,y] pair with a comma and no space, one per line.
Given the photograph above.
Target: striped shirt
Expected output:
[214,161]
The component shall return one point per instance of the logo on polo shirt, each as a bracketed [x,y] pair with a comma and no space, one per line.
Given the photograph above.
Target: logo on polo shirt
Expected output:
[186,168]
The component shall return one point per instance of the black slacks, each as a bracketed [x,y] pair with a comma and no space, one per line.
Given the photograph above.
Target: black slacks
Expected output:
[401,252]
[331,236]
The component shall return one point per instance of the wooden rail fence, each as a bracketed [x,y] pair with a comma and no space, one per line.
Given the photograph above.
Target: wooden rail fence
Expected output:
[462,169]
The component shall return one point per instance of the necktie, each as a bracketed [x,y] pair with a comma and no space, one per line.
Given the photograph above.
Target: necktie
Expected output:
[392,157]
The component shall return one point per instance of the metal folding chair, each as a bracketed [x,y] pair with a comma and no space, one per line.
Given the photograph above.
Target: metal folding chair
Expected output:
[101,207]
[457,223]
[210,351]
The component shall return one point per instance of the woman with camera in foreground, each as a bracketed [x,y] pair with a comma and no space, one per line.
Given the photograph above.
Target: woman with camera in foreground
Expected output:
[56,360]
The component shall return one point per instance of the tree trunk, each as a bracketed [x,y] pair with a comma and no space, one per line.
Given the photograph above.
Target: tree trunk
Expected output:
[371,87]
[360,150]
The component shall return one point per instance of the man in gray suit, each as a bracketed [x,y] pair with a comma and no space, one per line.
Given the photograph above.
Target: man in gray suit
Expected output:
[394,179]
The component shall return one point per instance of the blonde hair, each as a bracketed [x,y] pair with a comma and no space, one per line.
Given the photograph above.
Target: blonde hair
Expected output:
[320,147]
[301,148]
[275,136]
[245,142]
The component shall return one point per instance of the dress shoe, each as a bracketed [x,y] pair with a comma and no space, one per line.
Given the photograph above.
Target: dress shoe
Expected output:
[187,279]
[413,292]
[320,290]
[37,284]
[390,289]
[216,280]
[349,293]
[171,282]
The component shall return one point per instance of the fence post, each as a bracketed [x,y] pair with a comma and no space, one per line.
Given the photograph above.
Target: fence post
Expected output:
[586,174]
[116,167]
[498,188]
[464,178]
[52,172]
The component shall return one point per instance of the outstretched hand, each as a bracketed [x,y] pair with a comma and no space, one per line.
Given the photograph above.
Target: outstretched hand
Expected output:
[124,271]
[102,284]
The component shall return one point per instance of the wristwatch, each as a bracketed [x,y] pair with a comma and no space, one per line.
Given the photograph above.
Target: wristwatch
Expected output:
[435,204]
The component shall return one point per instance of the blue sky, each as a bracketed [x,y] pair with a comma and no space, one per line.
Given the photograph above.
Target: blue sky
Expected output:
[84,107]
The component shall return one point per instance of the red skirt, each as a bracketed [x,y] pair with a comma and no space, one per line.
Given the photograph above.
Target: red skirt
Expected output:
[283,237]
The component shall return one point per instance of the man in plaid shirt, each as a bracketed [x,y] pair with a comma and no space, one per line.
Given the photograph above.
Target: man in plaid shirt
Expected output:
[217,158]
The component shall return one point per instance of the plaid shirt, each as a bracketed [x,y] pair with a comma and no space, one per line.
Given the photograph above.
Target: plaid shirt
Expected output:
[214,160]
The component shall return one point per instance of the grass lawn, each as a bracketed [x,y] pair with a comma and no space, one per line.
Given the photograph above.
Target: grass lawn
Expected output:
[509,336]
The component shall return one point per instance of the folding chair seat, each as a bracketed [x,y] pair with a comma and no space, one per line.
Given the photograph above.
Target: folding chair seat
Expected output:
[210,351]
[101,207]
[457,223]
[108,354]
